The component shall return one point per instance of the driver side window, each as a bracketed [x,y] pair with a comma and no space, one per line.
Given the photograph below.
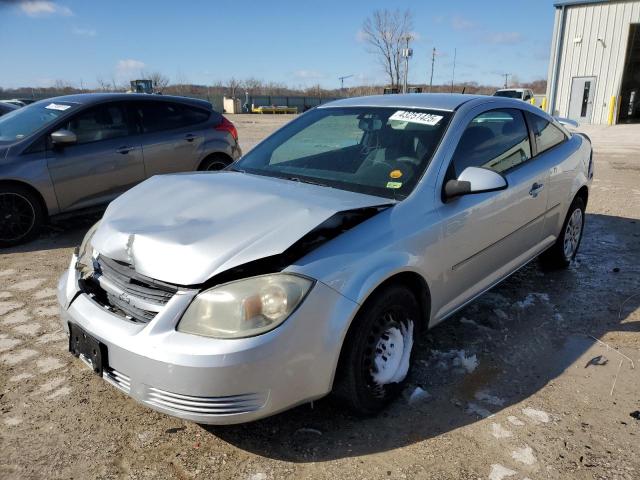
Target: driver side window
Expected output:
[102,122]
[498,140]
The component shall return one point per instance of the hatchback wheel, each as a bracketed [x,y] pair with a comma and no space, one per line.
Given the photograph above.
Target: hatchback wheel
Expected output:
[214,163]
[376,356]
[566,247]
[21,216]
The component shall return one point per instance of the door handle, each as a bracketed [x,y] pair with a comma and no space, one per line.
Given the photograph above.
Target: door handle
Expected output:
[124,150]
[536,188]
[190,137]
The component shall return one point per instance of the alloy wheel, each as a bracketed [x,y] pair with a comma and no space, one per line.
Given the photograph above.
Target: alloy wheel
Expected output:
[572,234]
[17,216]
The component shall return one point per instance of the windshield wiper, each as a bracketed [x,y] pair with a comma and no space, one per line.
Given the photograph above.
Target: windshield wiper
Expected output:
[304,180]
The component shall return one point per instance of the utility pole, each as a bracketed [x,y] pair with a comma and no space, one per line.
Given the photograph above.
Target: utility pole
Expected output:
[342,79]
[406,53]
[453,73]
[506,79]
[433,61]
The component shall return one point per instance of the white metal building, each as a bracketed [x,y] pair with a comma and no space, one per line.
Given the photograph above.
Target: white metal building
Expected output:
[594,67]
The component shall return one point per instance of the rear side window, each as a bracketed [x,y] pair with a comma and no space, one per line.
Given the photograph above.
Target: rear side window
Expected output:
[102,122]
[497,140]
[158,116]
[547,135]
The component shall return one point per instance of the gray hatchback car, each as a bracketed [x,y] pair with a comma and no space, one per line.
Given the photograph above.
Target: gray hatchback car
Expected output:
[73,153]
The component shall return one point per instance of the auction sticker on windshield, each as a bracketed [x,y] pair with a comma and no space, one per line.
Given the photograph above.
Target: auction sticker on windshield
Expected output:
[416,117]
[58,106]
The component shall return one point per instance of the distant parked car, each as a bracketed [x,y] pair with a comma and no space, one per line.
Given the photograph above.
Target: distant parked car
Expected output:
[523,94]
[71,153]
[6,108]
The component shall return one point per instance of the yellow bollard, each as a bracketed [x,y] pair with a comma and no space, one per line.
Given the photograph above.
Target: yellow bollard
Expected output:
[532,101]
[612,109]
[544,104]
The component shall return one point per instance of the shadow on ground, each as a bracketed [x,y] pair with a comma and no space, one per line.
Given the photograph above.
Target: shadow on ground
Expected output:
[525,333]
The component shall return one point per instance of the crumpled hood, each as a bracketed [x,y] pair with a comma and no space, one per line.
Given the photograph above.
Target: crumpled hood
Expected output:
[185,228]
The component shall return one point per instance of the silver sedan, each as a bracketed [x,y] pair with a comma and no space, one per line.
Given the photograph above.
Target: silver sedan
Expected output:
[310,265]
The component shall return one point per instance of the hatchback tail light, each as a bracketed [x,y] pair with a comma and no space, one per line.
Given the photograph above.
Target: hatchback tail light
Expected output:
[226,126]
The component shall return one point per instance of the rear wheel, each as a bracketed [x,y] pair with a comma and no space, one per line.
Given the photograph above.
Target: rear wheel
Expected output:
[376,356]
[21,215]
[214,162]
[566,247]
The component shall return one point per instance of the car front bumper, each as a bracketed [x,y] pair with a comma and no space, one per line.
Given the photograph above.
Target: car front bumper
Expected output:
[215,381]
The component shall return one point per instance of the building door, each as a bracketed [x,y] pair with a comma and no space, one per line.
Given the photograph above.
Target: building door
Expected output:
[583,90]
[629,106]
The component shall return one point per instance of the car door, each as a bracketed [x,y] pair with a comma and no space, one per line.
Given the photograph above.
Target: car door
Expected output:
[488,235]
[170,138]
[104,162]
[547,137]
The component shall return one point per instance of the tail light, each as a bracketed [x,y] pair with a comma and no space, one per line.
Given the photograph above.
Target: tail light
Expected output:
[226,126]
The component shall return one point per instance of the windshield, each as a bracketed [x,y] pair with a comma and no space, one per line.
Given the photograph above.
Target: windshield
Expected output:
[377,151]
[21,123]
[508,94]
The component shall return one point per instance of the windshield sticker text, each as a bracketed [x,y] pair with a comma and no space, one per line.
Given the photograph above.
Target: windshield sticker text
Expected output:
[416,117]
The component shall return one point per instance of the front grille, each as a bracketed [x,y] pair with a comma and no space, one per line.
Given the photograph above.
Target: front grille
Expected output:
[117,379]
[244,403]
[118,287]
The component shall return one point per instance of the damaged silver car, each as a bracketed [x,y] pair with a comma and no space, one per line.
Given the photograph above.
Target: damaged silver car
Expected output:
[311,264]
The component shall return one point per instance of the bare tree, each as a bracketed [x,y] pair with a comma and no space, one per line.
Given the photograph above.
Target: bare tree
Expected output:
[158,80]
[233,86]
[385,31]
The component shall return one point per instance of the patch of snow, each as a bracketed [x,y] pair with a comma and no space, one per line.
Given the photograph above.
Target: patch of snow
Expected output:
[524,455]
[469,363]
[536,415]
[515,421]
[499,472]
[315,431]
[486,397]
[394,372]
[257,476]
[500,314]
[6,295]
[47,311]
[60,392]
[418,395]
[52,337]
[51,385]
[7,272]
[475,409]
[530,299]
[12,421]
[499,431]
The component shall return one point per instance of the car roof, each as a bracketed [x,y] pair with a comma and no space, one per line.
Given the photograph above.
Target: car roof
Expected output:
[435,101]
[91,98]
[512,89]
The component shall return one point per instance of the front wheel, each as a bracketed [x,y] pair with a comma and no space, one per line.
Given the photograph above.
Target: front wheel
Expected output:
[561,253]
[214,163]
[376,356]
[21,216]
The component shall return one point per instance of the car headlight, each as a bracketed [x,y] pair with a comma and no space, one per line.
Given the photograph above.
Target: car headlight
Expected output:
[85,251]
[245,308]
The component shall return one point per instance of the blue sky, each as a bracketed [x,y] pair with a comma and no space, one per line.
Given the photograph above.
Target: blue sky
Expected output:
[296,42]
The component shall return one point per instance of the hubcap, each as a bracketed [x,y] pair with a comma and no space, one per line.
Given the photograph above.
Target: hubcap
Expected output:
[216,166]
[572,234]
[17,215]
[388,355]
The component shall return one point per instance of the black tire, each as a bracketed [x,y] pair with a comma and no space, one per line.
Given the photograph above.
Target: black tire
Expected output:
[214,162]
[561,253]
[21,215]
[394,307]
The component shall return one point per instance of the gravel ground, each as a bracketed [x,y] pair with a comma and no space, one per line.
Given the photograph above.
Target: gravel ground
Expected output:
[529,381]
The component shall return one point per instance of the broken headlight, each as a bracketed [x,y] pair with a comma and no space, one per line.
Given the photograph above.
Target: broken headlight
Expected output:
[245,308]
[85,251]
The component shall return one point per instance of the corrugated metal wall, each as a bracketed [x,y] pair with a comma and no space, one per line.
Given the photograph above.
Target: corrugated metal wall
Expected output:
[609,21]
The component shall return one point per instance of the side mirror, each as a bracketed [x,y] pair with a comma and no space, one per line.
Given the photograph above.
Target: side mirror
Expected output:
[474,180]
[61,138]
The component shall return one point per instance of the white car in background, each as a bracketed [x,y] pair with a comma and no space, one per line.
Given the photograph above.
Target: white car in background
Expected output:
[523,94]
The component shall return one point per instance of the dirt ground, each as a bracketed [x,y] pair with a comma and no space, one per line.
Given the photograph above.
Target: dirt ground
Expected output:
[551,395]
